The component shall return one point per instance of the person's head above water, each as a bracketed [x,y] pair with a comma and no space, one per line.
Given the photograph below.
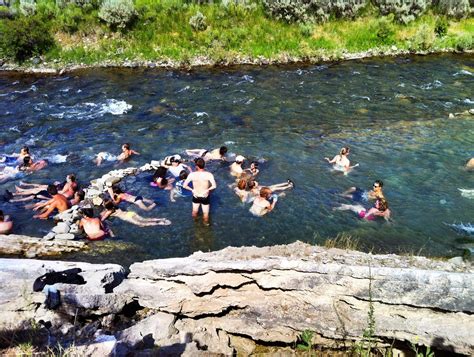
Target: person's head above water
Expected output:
[117,190]
[183,175]
[109,205]
[27,162]
[71,178]
[2,217]
[345,150]
[265,192]
[176,159]
[239,159]
[25,150]
[242,184]
[378,187]
[381,204]
[223,150]
[126,147]
[88,212]
[52,190]
[200,163]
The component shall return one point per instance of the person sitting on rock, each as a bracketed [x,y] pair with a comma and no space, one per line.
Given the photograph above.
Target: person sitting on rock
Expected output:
[93,227]
[78,197]
[6,225]
[58,202]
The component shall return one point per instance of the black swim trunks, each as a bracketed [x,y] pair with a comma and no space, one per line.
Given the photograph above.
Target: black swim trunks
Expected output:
[202,200]
[138,198]
[42,193]
[359,195]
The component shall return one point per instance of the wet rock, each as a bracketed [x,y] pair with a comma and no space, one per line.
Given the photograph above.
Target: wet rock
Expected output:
[103,345]
[456,261]
[61,228]
[243,346]
[65,236]
[22,245]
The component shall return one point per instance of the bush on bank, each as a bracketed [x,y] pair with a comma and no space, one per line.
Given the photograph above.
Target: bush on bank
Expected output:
[90,31]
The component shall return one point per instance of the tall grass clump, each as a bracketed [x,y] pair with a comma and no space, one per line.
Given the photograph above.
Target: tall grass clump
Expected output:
[118,14]
[343,241]
[27,7]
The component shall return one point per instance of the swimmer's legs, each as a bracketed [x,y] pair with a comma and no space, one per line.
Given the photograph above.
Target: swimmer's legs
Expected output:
[348,193]
[195,209]
[195,152]
[98,160]
[142,205]
[280,186]
[205,214]
[353,208]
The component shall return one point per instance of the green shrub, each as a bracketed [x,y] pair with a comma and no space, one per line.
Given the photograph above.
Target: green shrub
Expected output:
[423,38]
[288,10]
[453,8]
[441,26]
[117,13]
[405,11]
[465,43]
[306,30]
[70,18]
[198,22]
[347,8]
[27,7]
[385,31]
[25,37]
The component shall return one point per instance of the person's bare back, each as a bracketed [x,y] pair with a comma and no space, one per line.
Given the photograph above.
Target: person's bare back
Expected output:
[202,183]
[92,227]
[58,202]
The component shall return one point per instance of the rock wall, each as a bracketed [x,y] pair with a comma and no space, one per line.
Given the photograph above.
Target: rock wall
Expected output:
[236,298]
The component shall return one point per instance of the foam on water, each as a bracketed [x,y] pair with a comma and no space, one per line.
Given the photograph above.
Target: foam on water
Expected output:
[56,158]
[463,72]
[432,85]
[468,101]
[116,107]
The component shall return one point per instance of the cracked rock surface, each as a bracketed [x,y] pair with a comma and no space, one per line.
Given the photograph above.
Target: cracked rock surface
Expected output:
[231,300]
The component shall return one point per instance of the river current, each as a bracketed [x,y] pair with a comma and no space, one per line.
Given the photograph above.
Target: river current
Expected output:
[392,113]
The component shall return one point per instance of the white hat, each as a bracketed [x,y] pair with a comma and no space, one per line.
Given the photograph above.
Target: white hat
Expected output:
[239,158]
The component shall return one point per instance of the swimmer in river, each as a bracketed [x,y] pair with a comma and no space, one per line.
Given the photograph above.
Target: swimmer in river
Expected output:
[243,192]
[29,166]
[131,217]
[253,169]
[93,227]
[67,189]
[159,179]
[215,154]
[359,195]
[470,164]
[254,187]
[264,203]
[15,158]
[178,190]
[57,201]
[126,153]
[236,168]
[175,165]
[203,183]
[341,162]
[380,209]
[118,196]
[6,224]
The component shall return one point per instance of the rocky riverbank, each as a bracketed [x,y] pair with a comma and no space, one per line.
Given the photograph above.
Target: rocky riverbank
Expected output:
[39,66]
[238,300]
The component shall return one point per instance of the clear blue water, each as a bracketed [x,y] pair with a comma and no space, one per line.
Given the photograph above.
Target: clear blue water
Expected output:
[393,113]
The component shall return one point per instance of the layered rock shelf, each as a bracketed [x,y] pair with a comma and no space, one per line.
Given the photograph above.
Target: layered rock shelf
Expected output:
[233,300]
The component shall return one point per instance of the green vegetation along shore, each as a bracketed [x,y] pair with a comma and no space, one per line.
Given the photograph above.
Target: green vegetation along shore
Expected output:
[70,33]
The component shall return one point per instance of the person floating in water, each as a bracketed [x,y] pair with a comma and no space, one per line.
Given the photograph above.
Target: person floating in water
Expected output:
[126,153]
[341,162]
[470,164]
[215,154]
[118,196]
[175,165]
[6,224]
[131,217]
[15,158]
[253,169]
[236,168]
[29,166]
[264,203]
[203,183]
[160,180]
[380,209]
[93,227]
[359,195]
[57,201]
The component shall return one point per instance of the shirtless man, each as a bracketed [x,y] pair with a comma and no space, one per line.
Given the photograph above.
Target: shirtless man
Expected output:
[264,203]
[29,165]
[6,225]
[216,154]
[359,195]
[92,226]
[58,202]
[203,183]
[236,168]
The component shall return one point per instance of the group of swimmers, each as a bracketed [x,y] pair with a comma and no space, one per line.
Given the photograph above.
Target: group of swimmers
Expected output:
[182,181]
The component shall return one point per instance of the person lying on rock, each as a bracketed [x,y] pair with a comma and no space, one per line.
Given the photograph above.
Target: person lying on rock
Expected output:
[31,191]
[6,225]
[57,202]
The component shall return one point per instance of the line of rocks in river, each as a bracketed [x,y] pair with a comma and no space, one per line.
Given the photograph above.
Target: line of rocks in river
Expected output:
[232,300]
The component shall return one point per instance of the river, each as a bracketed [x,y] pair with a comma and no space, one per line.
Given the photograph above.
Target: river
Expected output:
[392,113]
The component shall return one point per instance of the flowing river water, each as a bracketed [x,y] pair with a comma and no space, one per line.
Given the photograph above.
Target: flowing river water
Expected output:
[393,113]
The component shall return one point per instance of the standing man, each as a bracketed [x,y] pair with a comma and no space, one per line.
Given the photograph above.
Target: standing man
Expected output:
[203,182]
